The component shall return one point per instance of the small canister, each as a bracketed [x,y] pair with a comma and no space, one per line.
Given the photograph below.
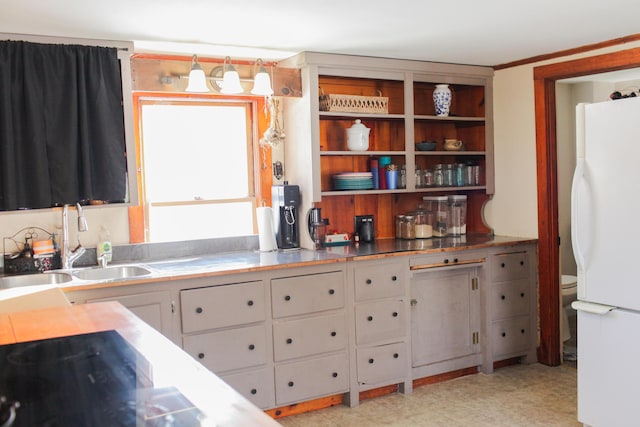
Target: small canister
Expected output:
[409,227]
[423,227]
[399,225]
[458,215]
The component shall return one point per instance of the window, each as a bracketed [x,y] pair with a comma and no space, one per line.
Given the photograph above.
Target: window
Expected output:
[197,168]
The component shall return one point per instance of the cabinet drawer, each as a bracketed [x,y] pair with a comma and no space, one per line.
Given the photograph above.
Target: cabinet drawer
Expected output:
[446,259]
[380,320]
[311,378]
[510,336]
[510,298]
[230,349]
[509,266]
[221,306]
[382,363]
[257,386]
[291,296]
[378,281]
[305,337]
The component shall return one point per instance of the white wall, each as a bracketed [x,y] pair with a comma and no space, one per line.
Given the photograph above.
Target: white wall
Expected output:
[513,209]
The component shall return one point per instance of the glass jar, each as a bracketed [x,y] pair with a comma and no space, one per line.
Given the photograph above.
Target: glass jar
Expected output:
[408,227]
[447,179]
[438,175]
[428,178]
[419,178]
[459,175]
[399,225]
[423,227]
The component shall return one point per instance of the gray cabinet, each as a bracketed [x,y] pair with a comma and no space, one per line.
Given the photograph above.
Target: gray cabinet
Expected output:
[225,328]
[310,339]
[445,313]
[511,305]
[380,325]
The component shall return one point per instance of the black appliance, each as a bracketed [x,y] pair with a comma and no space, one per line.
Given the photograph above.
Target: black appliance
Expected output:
[94,379]
[285,200]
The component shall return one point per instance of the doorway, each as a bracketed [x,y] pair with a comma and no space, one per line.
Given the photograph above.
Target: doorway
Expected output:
[545,78]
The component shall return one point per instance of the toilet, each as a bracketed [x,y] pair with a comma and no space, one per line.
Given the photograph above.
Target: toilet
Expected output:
[569,294]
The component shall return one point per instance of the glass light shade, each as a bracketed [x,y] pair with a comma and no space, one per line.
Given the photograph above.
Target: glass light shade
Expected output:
[231,82]
[262,84]
[197,81]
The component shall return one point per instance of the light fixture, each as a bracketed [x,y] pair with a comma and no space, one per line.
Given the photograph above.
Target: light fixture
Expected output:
[197,78]
[230,79]
[261,80]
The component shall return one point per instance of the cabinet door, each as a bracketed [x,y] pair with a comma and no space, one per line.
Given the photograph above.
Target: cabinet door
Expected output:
[230,349]
[152,307]
[306,337]
[445,315]
[311,378]
[220,306]
[380,320]
[307,294]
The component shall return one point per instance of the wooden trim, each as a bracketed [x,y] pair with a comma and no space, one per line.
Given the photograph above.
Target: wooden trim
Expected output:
[545,78]
[567,52]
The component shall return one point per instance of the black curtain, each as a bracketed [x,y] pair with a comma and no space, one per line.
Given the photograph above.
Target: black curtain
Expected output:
[61,125]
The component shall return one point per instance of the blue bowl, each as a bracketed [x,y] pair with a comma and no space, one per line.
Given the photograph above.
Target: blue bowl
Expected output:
[426,146]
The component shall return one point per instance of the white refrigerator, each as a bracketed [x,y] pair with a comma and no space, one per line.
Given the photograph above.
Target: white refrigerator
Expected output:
[605,229]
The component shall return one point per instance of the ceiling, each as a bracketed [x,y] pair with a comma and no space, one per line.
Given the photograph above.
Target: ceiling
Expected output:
[489,32]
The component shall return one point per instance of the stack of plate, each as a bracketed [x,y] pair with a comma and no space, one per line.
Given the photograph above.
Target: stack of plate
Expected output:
[353,181]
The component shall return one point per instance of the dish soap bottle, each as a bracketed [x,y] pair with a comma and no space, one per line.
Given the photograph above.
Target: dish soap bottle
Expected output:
[104,249]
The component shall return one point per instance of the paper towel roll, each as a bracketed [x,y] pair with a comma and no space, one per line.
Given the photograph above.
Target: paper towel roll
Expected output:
[266,233]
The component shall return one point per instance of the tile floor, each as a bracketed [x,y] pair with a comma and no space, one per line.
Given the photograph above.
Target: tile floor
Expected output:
[514,396]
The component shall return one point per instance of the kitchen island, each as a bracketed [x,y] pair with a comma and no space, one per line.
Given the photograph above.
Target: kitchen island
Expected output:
[165,366]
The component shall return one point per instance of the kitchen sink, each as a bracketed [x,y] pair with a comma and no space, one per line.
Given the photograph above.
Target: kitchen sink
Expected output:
[53,278]
[112,273]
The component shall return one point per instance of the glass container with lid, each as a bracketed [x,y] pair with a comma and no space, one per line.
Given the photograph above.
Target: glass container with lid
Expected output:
[439,206]
[458,214]
[423,223]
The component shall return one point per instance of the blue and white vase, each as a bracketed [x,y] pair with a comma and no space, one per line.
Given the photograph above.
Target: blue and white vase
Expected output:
[442,99]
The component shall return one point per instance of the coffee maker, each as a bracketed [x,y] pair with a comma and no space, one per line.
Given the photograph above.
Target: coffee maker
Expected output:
[285,200]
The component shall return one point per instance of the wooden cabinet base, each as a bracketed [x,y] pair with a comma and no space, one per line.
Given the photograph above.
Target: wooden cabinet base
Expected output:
[326,402]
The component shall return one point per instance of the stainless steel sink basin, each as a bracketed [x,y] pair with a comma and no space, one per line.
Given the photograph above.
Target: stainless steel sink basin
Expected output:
[112,273]
[53,278]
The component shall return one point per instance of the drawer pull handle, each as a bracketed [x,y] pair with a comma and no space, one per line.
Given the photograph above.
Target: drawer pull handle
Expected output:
[287,297]
[333,333]
[446,261]
[332,291]
[396,355]
[521,262]
[290,384]
[334,375]
[371,361]
[254,391]
[252,347]
[504,334]
[368,282]
[289,340]
[200,355]
[199,310]
[522,331]
[369,318]
[521,294]
[395,314]
[503,265]
[502,297]
[455,260]
[250,303]
[394,278]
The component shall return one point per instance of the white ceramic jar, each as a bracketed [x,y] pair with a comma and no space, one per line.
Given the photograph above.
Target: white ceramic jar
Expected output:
[358,137]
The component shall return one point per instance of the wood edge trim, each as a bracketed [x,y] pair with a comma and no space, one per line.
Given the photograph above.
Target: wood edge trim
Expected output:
[567,52]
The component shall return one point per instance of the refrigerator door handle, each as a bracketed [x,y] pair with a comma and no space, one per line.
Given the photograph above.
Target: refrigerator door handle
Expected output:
[590,307]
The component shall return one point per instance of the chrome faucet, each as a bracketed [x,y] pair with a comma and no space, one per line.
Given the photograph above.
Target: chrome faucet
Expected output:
[69,256]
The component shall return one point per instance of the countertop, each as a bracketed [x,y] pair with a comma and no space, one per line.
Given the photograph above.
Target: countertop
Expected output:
[170,366]
[254,261]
